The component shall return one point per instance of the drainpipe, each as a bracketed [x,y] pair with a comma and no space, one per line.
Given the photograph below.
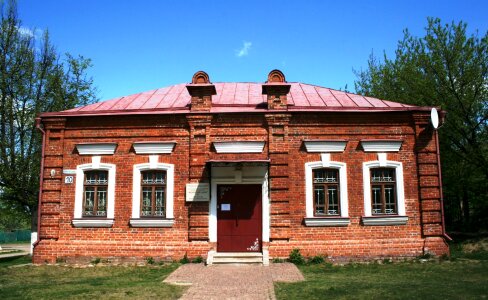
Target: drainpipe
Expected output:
[39,126]
[444,233]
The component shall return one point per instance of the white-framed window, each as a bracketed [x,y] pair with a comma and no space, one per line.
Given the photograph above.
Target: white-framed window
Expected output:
[94,194]
[326,193]
[152,195]
[384,195]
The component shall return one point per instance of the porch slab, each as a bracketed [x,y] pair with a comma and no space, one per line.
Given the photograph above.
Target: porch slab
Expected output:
[233,281]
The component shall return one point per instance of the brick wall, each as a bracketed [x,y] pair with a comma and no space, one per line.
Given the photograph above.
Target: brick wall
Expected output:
[284,133]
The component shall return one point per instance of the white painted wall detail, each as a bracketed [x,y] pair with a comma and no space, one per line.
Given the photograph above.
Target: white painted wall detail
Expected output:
[153,147]
[325,146]
[80,178]
[136,187]
[381,145]
[309,167]
[239,147]
[398,166]
[96,148]
[250,175]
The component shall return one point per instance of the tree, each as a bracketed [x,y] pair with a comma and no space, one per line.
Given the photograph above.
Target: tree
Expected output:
[445,68]
[33,79]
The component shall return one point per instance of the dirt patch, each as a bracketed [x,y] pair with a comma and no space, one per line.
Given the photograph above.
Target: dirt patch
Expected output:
[471,246]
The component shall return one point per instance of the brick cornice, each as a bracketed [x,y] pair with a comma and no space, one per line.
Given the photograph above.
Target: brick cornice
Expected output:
[277,119]
[54,123]
[421,118]
[199,120]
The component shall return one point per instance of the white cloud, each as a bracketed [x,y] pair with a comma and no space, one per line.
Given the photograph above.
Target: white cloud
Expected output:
[244,51]
[36,33]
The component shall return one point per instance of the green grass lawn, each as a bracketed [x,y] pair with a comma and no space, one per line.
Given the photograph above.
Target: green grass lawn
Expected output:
[464,276]
[432,280]
[56,282]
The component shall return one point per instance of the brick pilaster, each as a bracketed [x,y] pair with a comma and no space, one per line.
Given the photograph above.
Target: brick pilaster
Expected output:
[279,181]
[428,176]
[52,177]
[199,126]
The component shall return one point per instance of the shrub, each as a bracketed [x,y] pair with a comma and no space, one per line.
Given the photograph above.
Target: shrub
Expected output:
[150,260]
[197,260]
[184,260]
[277,260]
[318,259]
[96,260]
[296,257]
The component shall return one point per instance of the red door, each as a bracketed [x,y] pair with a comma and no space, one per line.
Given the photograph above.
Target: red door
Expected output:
[239,218]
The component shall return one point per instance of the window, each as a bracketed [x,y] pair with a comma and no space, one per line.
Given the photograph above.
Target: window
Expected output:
[95,194]
[383,194]
[326,192]
[153,189]
[152,194]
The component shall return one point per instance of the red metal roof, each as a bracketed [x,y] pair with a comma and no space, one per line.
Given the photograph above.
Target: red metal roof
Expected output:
[237,97]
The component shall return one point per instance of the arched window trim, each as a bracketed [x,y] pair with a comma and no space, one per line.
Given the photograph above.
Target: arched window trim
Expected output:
[168,219]
[370,219]
[310,219]
[79,220]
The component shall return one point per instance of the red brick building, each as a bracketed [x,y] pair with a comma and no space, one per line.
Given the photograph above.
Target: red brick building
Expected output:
[205,169]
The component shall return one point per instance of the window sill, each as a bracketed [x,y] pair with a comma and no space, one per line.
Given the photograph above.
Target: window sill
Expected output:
[152,222]
[327,221]
[87,222]
[384,220]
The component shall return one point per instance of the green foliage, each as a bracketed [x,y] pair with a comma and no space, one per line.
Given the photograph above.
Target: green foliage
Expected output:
[34,78]
[184,260]
[150,260]
[446,68]
[197,260]
[96,260]
[277,260]
[296,257]
[318,259]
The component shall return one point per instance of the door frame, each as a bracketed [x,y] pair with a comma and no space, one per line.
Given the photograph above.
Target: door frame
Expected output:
[237,178]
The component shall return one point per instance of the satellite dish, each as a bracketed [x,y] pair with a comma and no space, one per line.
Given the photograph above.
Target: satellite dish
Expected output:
[434,118]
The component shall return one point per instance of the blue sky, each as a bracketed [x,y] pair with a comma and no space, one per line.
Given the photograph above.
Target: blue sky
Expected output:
[137,46]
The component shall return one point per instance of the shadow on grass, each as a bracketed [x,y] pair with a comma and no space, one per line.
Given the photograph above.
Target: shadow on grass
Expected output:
[464,275]
[113,282]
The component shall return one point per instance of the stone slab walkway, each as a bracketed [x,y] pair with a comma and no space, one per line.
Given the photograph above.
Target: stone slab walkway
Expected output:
[24,249]
[233,281]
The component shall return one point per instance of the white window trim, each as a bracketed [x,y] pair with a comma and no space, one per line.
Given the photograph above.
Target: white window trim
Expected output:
[153,147]
[96,148]
[400,218]
[79,220]
[168,219]
[239,147]
[381,145]
[325,145]
[310,219]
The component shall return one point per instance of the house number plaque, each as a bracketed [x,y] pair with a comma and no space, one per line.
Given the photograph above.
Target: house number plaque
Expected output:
[68,179]
[197,192]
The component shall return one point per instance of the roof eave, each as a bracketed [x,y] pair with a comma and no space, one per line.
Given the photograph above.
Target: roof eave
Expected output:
[185,110]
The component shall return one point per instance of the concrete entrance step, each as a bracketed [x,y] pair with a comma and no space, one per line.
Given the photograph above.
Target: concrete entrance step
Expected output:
[237,258]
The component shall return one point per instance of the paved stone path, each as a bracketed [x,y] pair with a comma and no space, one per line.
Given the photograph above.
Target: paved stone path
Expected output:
[233,281]
[24,248]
